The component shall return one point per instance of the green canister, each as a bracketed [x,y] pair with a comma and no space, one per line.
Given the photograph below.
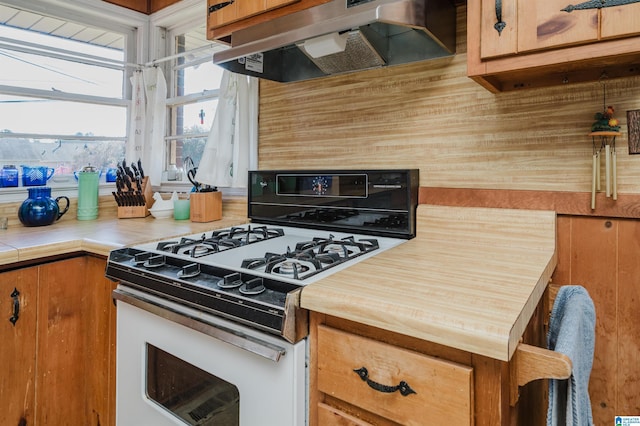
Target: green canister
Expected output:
[88,179]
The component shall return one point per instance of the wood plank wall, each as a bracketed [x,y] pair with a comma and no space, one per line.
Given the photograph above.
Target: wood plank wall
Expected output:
[431,116]
[526,149]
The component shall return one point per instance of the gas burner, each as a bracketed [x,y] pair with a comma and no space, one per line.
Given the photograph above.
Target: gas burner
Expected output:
[175,246]
[345,248]
[293,264]
[205,247]
[242,236]
[290,267]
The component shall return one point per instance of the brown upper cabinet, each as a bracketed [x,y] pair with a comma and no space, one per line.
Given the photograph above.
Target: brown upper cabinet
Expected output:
[143,6]
[227,16]
[222,12]
[515,44]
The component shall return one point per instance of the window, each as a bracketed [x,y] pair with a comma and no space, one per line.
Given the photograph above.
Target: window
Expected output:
[65,98]
[193,99]
[63,101]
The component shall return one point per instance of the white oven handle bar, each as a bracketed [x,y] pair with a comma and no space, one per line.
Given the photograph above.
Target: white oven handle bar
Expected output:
[236,338]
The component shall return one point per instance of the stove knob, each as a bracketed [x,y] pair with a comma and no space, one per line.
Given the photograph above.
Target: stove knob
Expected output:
[254,286]
[189,271]
[230,281]
[142,257]
[155,261]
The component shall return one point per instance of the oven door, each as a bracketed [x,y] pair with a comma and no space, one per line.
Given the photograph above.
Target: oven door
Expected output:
[178,366]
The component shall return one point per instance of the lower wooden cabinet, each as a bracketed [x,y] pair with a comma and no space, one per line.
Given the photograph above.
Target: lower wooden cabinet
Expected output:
[18,306]
[452,387]
[59,357]
[601,254]
[395,383]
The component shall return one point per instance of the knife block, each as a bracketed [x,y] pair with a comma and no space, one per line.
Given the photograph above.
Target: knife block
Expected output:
[206,206]
[125,212]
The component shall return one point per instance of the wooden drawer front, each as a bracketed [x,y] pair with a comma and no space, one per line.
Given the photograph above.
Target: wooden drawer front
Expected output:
[443,390]
[330,416]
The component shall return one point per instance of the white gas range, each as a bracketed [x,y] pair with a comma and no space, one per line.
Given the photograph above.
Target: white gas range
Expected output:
[241,286]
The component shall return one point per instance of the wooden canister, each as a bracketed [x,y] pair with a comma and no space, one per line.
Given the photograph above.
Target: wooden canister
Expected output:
[206,206]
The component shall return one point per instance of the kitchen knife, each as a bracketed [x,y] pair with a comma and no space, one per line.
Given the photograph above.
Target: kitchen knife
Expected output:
[127,182]
[129,173]
[140,169]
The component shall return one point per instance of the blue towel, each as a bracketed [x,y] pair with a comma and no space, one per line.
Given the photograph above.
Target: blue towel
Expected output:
[572,332]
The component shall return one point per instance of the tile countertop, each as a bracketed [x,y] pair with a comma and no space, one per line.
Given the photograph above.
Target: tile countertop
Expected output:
[471,279]
[20,244]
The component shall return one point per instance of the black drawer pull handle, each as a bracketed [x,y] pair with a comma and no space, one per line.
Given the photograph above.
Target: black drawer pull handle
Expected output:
[16,306]
[403,386]
[500,24]
[216,7]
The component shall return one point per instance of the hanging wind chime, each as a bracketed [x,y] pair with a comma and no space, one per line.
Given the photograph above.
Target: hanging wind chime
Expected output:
[603,137]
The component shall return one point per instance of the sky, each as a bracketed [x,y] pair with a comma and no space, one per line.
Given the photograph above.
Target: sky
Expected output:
[20,114]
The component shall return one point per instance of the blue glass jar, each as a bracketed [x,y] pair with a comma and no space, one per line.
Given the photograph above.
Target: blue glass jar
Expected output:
[40,209]
[8,176]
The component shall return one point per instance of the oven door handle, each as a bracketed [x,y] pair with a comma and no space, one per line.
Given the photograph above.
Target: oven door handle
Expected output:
[235,338]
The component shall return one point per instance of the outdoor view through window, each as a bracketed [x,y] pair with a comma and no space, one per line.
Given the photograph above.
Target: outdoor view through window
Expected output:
[64,101]
[61,102]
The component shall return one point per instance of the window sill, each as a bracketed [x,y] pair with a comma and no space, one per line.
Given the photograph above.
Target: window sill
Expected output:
[67,188]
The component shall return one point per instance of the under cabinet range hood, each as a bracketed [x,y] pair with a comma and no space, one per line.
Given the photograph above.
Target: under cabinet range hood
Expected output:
[342,36]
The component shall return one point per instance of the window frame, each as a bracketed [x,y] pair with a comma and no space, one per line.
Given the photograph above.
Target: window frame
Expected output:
[168,23]
[96,14]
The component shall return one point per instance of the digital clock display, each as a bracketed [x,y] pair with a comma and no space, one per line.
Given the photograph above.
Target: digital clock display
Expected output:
[335,185]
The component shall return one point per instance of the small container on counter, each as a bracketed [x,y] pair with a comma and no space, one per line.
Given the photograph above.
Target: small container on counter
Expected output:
[36,175]
[181,209]
[8,176]
[40,208]
[206,206]
[88,181]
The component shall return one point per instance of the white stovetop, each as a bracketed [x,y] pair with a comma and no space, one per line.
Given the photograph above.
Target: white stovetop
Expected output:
[232,258]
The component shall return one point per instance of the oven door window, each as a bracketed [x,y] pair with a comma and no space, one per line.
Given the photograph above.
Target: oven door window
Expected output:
[193,395]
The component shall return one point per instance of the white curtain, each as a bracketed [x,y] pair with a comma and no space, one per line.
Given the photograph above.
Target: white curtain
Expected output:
[137,118]
[147,121]
[232,146]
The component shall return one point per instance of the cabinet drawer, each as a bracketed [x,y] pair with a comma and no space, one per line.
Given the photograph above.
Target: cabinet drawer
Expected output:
[328,415]
[443,390]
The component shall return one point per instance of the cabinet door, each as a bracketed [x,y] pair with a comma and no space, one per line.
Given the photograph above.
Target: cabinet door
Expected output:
[628,317]
[227,11]
[75,344]
[593,265]
[221,12]
[247,8]
[620,21]
[18,353]
[495,43]
[328,415]
[137,5]
[272,4]
[543,24]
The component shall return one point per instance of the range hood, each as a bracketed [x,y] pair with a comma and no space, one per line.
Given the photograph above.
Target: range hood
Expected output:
[342,36]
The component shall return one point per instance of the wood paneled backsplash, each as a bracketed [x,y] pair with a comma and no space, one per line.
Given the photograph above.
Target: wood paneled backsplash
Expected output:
[429,115]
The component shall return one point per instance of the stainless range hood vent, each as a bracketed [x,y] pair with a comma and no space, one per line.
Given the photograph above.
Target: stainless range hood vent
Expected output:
[342,36]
